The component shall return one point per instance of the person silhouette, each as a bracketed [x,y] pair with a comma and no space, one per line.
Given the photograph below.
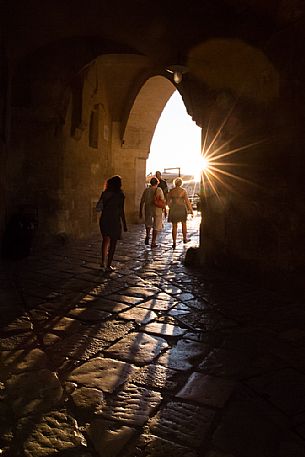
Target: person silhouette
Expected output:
[179,207]
[111,206]
[153,214]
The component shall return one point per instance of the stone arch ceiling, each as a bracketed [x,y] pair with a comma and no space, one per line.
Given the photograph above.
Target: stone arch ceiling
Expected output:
[145,112]
[157,29]
[212,32]
[236,67]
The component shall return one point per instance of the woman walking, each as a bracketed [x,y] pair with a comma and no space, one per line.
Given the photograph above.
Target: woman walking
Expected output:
[111,205]
[179,207]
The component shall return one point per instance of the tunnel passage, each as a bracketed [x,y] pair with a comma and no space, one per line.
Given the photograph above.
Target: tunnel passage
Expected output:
[60,150]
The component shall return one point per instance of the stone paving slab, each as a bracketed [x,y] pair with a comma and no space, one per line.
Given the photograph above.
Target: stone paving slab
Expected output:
[100,373]
[183,423]
[154,446]
[207,390]
[56,432]
[138,347]
[156,359]
[109,438]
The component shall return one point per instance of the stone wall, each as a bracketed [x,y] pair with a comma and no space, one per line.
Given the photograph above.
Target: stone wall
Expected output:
[255,223]
[60,149]
[66,140]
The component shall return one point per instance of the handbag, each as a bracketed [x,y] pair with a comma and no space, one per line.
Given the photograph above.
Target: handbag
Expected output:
[159,202]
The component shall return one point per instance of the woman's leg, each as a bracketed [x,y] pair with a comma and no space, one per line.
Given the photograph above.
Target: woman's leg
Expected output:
[174,234]
[184,232]
[154,238]
[147,234]
[111,252]
[105,249]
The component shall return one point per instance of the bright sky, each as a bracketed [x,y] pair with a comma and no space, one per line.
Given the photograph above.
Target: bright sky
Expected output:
[177,140]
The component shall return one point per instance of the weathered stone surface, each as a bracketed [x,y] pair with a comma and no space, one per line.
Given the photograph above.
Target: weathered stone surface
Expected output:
[149,274]
[171,289]
[39,316]
[141,292]
[19,325]
[138,347]
[139,315]
[50,307]
[270,336]
[121,298]
[154,376]
[166,297]
[153,446]
[179,309]
[100,290]
[207,390]
[182,423]
[63,324]
[88,400]
[49,339]
[23,340]
[183,355]
[134,280]
[249,428]
[6,434]
[221,362]
[184,296]
[18,361]
[102,374]
[164,329]
[198,320]
[111,330]
[89,314]
[86,299]
[238,364]
[76,347]
[157,304]
[54,433]
[32,393]
[199,303]
[109,438]
[110,306]
[167,319]
[284,388]
[5,410]
[132,405]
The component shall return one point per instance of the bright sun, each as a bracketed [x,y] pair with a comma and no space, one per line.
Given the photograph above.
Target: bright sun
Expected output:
[200,164]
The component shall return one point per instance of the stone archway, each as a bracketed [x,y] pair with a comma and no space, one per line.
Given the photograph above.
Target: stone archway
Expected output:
[131,148]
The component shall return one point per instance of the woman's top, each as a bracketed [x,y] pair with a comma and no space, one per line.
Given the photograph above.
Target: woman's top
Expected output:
[112,206]
[179,205]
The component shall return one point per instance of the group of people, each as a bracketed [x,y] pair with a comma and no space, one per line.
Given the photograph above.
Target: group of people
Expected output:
[155,200]
[177,201]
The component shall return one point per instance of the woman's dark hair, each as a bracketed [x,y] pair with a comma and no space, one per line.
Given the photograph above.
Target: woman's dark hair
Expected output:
[114,183]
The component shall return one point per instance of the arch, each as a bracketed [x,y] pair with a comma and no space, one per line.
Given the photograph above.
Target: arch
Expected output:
[145,113]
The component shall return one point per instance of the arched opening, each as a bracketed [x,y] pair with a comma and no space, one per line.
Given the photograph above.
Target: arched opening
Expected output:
[176,146]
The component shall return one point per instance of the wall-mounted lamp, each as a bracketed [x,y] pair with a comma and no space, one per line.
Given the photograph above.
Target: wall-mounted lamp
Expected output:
[177,71]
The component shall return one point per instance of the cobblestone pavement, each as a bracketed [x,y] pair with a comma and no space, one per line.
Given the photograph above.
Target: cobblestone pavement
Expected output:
[154,360]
